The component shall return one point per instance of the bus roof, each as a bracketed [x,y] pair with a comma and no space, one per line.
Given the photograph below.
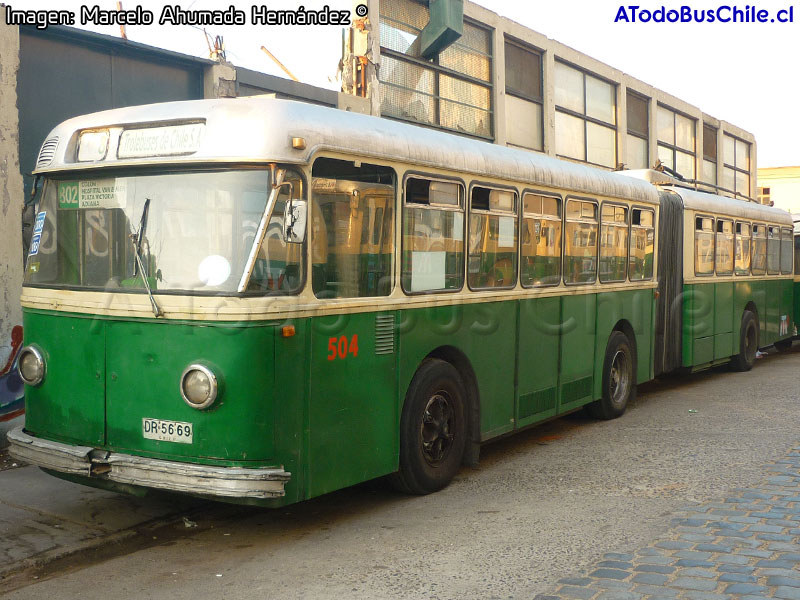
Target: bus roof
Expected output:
[260,129]
[720,205]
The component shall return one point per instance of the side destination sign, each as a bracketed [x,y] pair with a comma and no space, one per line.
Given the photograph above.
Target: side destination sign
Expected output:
[93,193]
[160,141]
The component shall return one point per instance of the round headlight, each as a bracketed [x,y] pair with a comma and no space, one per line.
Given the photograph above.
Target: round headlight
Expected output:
[31,365]
[198,386]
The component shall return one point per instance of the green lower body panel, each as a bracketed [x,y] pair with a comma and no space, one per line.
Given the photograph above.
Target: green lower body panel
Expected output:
[712,316]
[318,407]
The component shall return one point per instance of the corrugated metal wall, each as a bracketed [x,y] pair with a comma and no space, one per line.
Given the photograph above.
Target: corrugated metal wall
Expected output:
[66,72]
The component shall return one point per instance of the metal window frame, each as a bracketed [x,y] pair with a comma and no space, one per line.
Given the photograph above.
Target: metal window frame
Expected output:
[460,209]
[734,167]
[514,214]
[438,70]
[791,239]
[308,251]
[652,211]
[560,220]
[629,92]
[510,40]
[717,233]
[753,238]
[588,119]
[628,222]
[736,235]
[713,238]
[770,227]
[596,222]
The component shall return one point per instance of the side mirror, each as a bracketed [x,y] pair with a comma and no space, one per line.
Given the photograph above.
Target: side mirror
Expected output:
[294,221]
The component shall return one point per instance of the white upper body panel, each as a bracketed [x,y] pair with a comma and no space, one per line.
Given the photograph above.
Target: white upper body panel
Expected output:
[260,129]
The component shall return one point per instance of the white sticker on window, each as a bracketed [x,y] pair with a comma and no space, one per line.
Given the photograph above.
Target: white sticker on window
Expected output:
[505,233]
[458,227]
[427,271]
[103,193]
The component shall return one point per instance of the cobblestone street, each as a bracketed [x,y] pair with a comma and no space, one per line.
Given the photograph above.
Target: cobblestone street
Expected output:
[693,494]
[745,545]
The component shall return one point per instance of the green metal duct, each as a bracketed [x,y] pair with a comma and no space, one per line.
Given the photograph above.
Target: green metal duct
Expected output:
[445,27]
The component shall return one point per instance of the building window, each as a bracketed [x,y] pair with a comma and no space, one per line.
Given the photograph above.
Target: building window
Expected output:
[676,142]
[764,195]
[709,155]
[523,95]
[736,170]
[451,91]
[585,117]
[636,156]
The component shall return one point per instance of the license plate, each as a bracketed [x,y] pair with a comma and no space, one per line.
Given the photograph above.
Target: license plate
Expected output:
[167,431]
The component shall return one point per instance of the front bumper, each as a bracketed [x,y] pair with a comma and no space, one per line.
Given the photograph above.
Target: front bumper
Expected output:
[228,482]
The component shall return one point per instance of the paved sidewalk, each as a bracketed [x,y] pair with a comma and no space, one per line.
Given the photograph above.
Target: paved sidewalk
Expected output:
[43,518]
[745,546]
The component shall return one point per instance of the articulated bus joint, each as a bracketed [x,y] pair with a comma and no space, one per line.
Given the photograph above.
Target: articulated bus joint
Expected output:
[188,478]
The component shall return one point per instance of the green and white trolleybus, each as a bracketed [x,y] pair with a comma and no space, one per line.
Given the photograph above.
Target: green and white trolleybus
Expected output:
[262,301]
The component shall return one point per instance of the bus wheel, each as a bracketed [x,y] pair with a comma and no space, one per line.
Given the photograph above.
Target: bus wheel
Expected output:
[432,429]
[619,379]
[748,343]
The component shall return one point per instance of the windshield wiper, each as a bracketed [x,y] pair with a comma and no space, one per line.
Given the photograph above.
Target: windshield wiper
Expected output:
[137,238]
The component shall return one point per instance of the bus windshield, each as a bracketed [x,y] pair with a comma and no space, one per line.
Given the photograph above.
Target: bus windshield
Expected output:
[193,232]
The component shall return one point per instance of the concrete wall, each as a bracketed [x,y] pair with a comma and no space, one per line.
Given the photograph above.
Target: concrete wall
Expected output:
[784,184]
[514,118]
[11,200]
[553,49]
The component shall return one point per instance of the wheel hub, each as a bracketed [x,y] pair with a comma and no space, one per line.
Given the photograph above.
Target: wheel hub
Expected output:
[437,428]
[620,377]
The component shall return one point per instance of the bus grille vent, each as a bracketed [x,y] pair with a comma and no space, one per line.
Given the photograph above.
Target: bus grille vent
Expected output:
[47,153]
[384,334]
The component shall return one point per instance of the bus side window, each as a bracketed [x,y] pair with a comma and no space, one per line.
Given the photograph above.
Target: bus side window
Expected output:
[773,250]
[613,243]
[797,254]
[541,240]
[643,243]
[352,229]
[433,236]
[492,239]
[580,242]
[742,248]
[786,251]
[704,246]
[759,261]
[724,252]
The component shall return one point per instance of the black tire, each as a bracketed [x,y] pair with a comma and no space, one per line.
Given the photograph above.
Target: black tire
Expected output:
[748,343]
[784,345]
[619,379]
[433,429]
